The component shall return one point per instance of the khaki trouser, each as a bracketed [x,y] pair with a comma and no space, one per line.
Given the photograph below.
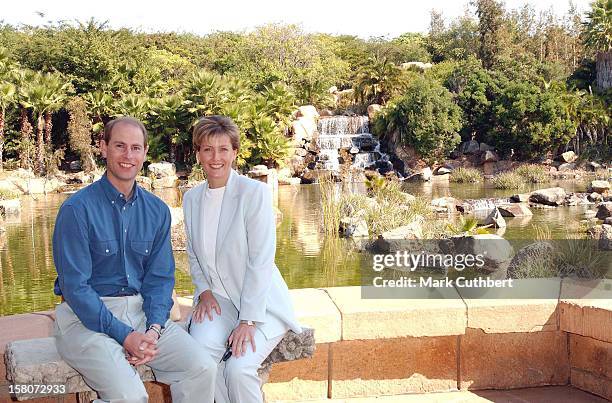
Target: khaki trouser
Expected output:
[180,362]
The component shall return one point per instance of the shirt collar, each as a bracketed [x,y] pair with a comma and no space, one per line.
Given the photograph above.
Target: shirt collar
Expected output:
[113,194]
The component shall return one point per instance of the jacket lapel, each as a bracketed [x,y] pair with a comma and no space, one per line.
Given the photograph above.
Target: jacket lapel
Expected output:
[198,221]
[228,210]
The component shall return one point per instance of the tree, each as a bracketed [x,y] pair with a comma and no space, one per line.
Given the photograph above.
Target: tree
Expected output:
[377,81]
[597,31]
[490,19]
[426,119]
[7,94]
[79,133]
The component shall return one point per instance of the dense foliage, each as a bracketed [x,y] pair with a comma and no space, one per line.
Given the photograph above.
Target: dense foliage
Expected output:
[521,81]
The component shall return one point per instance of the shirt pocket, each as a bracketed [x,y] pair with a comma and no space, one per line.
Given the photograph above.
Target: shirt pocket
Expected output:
[105,248]
[142,248]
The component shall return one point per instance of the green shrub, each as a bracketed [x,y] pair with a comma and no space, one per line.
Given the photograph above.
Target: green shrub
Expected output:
[466,175]
[6,194]
[509,180]
[533,173]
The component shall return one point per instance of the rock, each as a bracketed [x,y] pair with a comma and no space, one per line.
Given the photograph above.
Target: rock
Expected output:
[470,147]
[489,169]
[75,165]
[354,150]
[417,65]
[604,210]
[568,156]
[284,173]
[289,181]
[608,221]
[308,111]
[144,182]
[443,171]
[605,238]
[485,147]
[394,240]
[165,182]
[258,170]
[354,227]
[520,198]
[589,214]
[23,173]
[303,128]
[595,197]
[550,196]
[10,207]
[425,174]
[176,216]
[522,263]
[593,166]
[495,250]
[515,210]
[333,89]
[162,169]
[599,186]
[572,200]
[495,219]
[489,156]
[302,152]
[569,166]
[326,112]
[373,109]
[445,204]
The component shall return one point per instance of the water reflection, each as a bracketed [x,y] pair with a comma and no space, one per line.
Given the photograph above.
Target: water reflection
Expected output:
[304,256]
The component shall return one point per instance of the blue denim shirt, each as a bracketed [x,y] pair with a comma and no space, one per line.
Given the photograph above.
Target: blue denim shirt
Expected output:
[104,245]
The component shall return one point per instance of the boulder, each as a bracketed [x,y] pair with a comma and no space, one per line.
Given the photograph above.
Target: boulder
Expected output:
[489,169]
[144,182]
[485,147]
[608,221]
[10,207]
[162,169]
[326,112]
[588,214]
[495,250]
[550,196]
[604,210]
[443,171]
[176,216]
[354,150]
[488,156]
[289,181]
[520,197]
[258,170]
[395,239]
[165,182]
[308,111]
[302,152]
[354,227]
[568,156]
[445,204]
[599,186]
[425,174]
[593,166]
[75,165]
[373,110]
[595,197]
[495,219]
[515,210]
[568,166]
[303,128]
[522,263]
[470,147]
[23,173]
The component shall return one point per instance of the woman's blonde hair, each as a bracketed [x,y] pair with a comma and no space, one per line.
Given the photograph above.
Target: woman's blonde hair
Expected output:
[215,125]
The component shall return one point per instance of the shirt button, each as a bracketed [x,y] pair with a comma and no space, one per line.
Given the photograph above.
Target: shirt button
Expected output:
[146,251]
[124,208]
[122,289]
[107,251]
[112,202]
[128,276]
[124,230]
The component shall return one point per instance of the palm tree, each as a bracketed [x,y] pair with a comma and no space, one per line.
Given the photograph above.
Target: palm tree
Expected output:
[7,98]
[45,94]
[99,104]
[597,29]
[170,117]
[377,80]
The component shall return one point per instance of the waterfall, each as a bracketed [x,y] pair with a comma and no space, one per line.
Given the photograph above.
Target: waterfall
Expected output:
[341,125]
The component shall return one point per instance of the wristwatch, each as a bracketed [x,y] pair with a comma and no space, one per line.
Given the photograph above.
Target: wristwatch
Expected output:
[159,330]
[248,322]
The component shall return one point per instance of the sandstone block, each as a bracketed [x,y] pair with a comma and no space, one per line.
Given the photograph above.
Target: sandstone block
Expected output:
[391,318]
[165,182]
[162,169]
[585,308]
[512,315]
[591,355]
[393,366]
[591,383]
[515,210]
[550,196]
[315,309]
[512,360]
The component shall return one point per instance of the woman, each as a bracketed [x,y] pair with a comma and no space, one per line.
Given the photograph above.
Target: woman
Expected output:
[241,303]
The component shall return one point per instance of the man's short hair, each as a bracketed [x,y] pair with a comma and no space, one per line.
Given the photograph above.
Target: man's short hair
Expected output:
[108,128]
[215,125]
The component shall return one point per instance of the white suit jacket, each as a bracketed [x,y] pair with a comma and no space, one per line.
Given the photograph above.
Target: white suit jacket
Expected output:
[246,245]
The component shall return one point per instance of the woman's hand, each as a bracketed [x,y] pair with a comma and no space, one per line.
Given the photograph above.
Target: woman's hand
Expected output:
[241,337]
[205,306]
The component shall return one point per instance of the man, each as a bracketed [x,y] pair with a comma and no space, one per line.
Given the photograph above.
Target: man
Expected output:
[112,252]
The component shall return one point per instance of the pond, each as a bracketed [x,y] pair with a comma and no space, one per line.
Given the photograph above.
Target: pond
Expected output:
[304,256]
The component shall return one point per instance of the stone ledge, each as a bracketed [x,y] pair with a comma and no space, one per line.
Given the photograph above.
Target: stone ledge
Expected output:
[314,309]
[392,318]
[590,318]
[512,316]
[591,355]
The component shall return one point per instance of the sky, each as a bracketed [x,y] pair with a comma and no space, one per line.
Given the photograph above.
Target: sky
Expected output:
[386,18]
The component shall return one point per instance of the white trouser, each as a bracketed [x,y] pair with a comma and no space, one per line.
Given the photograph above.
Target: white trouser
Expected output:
[180,361]
[237,379]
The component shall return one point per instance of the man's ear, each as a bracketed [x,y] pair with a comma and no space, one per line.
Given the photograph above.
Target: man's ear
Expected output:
[103,148]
